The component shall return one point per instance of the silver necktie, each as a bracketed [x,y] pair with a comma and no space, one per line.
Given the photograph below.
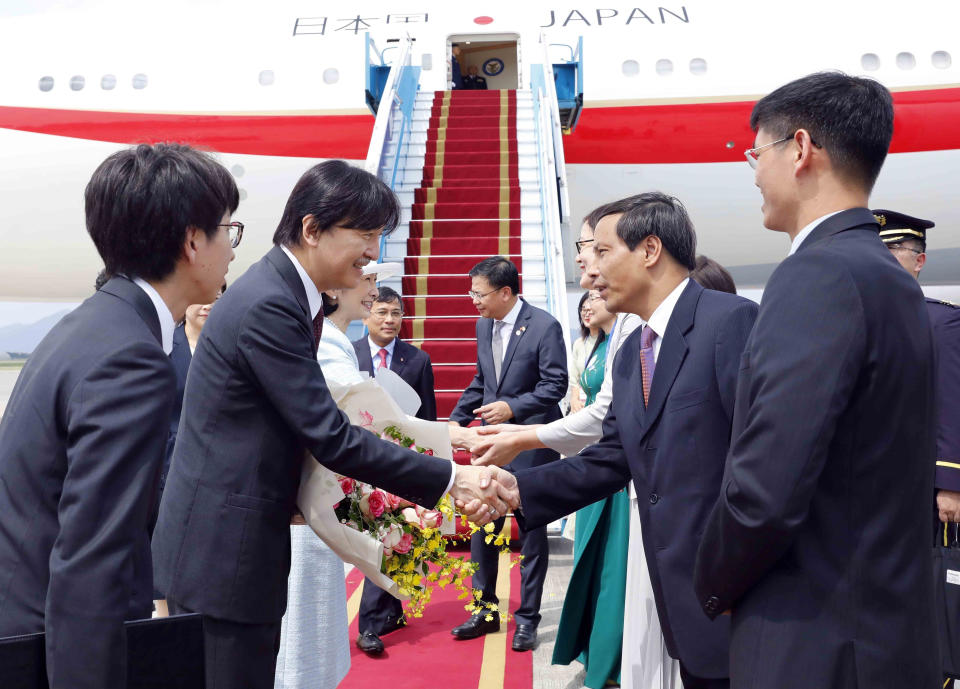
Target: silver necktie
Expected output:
[497,347]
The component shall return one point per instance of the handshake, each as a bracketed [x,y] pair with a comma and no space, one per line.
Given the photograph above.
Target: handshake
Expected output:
[483,494]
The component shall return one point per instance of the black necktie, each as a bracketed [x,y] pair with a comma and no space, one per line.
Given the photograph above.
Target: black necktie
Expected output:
[317,330]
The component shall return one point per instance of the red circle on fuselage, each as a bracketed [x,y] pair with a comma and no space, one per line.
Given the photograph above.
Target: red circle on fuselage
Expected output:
[483,20]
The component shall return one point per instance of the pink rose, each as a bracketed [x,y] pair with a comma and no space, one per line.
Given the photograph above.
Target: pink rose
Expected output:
[428,451]
[347,484]
[374,504]
[431,519]
[404,545]
[393,501]
[391,537]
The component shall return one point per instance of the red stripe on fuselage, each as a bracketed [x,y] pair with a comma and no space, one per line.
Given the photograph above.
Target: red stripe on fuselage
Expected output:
[633,134]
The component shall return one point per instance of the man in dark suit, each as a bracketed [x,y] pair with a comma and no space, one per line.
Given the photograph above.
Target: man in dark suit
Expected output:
[381,613]
[668,424]
[906,238]
[473,81]
[521,376]
[256,400]
[820,540]
[383,348]
[83,436]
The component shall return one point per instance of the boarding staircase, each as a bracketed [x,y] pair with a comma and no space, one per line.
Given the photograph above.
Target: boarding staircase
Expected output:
[478,173]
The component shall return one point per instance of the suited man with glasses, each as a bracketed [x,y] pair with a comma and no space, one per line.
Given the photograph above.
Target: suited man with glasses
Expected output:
[521,377]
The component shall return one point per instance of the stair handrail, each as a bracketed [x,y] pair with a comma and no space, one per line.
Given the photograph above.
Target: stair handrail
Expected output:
[550,88]
[550,212]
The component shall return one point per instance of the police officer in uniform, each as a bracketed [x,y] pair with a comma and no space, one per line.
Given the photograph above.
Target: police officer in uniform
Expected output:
[473,80]
[906,237]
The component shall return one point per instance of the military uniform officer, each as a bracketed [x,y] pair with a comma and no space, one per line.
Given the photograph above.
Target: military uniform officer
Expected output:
[473,80]
[906,237]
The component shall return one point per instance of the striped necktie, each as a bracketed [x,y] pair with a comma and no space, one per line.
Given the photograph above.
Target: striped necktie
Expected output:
[647,362]
[317,331]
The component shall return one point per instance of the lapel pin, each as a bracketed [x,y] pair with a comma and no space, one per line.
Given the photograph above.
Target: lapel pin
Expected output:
[520,331]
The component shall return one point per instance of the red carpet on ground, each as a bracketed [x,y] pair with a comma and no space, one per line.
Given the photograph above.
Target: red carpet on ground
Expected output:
[424,655]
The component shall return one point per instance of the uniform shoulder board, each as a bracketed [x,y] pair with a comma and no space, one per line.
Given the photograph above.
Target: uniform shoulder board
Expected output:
[946,303]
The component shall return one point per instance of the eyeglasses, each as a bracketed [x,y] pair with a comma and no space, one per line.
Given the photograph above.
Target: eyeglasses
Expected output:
[582,243]
[235,233]
[478,296]
[752,154]
[382,313]
[901,247]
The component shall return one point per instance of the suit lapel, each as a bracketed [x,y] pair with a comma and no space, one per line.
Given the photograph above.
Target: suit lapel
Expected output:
[130,292]
[399,360]
[673,351]
[484,351]
[363,355]
[519,328]
[290,275]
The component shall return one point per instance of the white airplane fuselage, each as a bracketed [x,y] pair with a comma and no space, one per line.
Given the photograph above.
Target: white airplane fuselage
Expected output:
[275,87]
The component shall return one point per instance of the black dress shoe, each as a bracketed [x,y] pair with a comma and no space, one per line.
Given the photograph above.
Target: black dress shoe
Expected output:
[478,625]
[370,643]
[525,637]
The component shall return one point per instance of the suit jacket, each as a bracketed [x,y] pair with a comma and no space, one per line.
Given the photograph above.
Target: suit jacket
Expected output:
[180,357]
[81,445]
[820,541]
[533,376]
[674,450]
[411,364]
[255,400]
[945,319]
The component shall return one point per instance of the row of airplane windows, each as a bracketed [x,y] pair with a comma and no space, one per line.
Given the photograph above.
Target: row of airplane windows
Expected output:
[108,82]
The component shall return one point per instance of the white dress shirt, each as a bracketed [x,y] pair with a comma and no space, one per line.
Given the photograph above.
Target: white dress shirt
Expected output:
[661,316]
[802,234]
[510,319]
[375,352]
[572,433]
[334,340]
[163,314]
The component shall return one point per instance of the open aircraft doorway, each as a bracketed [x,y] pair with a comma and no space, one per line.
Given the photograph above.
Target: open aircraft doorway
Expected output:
[496,58]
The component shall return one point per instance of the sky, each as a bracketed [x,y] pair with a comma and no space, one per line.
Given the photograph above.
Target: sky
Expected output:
[26,312]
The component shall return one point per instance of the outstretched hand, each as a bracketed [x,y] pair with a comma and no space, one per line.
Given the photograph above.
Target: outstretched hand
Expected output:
[484,494]
[495,450]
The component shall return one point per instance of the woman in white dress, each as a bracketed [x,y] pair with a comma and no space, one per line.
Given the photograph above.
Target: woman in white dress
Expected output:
[314,643]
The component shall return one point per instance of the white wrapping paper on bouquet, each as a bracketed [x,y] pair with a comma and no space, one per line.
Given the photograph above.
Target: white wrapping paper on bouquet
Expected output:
[366,404]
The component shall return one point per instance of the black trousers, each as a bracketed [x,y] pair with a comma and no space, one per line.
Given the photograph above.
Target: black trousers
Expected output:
[379,611]
[692,682]
[237,655]
[533,570]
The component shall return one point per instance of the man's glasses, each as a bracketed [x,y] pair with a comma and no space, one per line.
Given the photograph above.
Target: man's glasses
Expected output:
[752,154]
[383,315]
[235,230]
[582,243]
[901,247]
[478,296]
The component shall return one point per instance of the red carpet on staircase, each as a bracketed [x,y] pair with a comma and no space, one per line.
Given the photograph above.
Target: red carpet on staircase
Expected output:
[466,209]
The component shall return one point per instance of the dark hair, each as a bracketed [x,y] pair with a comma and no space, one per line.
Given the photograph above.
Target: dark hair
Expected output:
[141,200]
[654,214]
[584,330]
[712,275]
[329,304]
[388,295]
[336,193]
[499,272]
[103,277]
[851,118]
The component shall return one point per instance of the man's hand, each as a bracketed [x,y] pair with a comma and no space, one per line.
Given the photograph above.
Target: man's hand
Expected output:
[502,428]
[495,450]
[484,493]
[948,505]
[463,437]
[495,412]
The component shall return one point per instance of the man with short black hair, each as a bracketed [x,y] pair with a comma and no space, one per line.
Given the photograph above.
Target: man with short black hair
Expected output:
[381,613]
[83,437]
[820,541]
[256,402]
[668,424]
[521,376]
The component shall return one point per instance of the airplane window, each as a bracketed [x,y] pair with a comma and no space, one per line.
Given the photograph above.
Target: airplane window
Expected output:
[46,83]
[941,59]
[77,83]
[630,68]
[237,170]
[243,194]
[426,62]
[906,61]
[664,68]
[698,66]
[139,81]
[108,82]
[331,76]
[870,62]
[266,77]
